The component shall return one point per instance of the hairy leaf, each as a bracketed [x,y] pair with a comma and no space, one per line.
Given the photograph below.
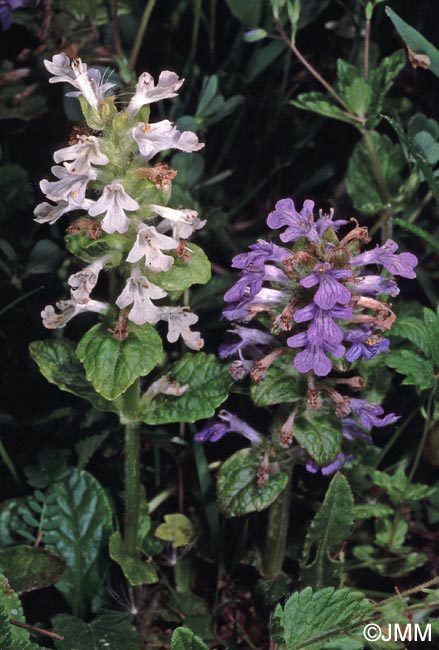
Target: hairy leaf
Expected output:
[413,329]
[182,274]
[59,364]
[106,632]
[113,365]
[328,530]
[312,619]
[30,567]
[184,639]
[319,432]
[431,320]
[10,607]
[208,384]
[322,104]
[88,249]
[282,384]
[177,528]
[78,531]
[418,371]
[135,570]
[238,489]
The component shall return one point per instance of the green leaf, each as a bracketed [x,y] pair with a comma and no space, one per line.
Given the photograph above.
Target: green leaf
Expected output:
[330,527]
[262,59]
[309,619]
[59,364]
[321,104]
[415,41]
[418,156]
[177,529]
[45,257]
[413,329]
[108,632]
[368,510]
[30,567]
[184,639]
[431,321]
[78,531]
[249,12]
[399,487]
[113,365]
[10,607]
[237,488]
[362,181]
[88,446]
[88,249]
[419,232]
[391,533]
[380,81]
[319,433]
[418,371]
[208,386]
[281,384]
[135,570]
[15,188]
[182,274]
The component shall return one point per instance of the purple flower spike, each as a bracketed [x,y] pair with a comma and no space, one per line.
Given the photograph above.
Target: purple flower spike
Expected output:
[313,357]
[229,422]
[365,344]
[370,414]
[299,224]
[401,264]
[261,252]
[330,291]
[325,221]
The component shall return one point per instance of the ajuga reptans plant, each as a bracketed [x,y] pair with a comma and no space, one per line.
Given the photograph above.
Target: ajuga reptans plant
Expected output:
[123,227]
[304,315]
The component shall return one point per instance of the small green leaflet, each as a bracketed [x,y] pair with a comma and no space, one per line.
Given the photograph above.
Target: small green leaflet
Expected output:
[135,570]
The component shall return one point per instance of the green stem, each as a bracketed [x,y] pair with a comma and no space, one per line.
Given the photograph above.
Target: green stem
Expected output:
[133,491]
[10,465]
[277,531]
[141,33]
[424,436]
[384,221]
[387,447]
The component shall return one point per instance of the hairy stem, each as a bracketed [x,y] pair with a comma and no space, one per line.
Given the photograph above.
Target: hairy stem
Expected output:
[366,48]
[133,490]
[277,531]
[141,33]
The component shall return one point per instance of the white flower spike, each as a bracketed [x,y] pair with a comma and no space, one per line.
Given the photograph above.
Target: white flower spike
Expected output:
[149,244]
[147,92]
[68,309]
[179,323]
[113,202]
[140,292]
[83,154]
[70,187]
[182,222]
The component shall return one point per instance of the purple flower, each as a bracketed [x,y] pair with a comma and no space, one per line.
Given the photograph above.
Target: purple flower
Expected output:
[6,9]
[299,224]
[401,264]
[261,252]
[228,422]
[374,285]
[250,341]
[370,414]
[325,221]
[245,309]
[333,467]
[251,281]
[352,430]
[330,291]
[313,357]
[323,327]
[365,344]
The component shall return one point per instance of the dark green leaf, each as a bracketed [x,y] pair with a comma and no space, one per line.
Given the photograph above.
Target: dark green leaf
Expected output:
[413,329]
[184,639]
[88,446]
[381,80]
[182,274]
[208,386]
[238,490]
[247,11]
[78,531]
[45,257]
[59,364]
[87,249]
[415,41]
[108,632]
[30,567]
[281,384]
[111,364]
[319,432]
[309,616]
[431,320]
[418,371]
[320,103]
[10,607]
[330,527]
[135,570]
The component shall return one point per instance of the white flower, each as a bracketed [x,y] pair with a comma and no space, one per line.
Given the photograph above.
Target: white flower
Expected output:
[114,201]
[83,154]
[67,310]
[149,244]
[152,138]
[147,93]
[179,323]
[83,282]
[182,222]
[139,291]
[70,187]
[165,386]
[48,213]
[88,82]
